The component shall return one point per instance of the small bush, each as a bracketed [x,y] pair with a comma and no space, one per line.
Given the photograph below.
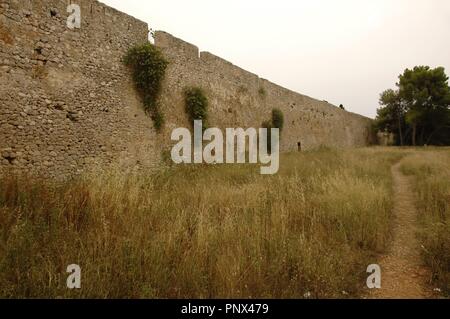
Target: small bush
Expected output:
[158,118]
[277,119]
[149,67]
[196,105]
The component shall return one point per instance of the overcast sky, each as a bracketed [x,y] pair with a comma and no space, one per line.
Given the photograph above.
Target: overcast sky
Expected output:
[342,51]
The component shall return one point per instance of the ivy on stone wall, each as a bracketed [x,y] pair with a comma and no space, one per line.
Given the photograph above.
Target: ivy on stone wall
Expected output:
[149,67]
[196,105]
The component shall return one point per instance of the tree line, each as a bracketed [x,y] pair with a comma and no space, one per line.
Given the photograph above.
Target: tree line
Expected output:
[417,112]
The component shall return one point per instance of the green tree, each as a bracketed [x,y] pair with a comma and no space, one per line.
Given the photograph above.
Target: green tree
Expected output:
[418,112]
[426,95]
[392,114]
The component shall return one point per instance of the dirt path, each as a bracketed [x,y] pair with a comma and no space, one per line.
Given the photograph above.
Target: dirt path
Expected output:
[403,273]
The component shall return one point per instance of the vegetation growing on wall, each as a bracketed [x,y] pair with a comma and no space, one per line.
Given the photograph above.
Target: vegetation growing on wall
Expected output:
[277,121]
[196,105]
[149,67]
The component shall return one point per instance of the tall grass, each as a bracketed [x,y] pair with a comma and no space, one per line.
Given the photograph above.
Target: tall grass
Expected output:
[201,232]
[432,171]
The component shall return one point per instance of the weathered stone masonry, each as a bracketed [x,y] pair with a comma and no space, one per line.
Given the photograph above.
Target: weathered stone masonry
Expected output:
[239,98]
[67,102]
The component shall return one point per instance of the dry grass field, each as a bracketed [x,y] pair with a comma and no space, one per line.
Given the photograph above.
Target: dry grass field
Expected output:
[432,172]
[219,231]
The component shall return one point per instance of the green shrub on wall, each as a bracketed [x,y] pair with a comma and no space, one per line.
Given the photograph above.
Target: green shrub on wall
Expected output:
[196,105]
[149,67]
[278,119]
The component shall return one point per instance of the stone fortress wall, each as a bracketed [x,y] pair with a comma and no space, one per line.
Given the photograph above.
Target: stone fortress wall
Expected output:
[67,102]
[239,98]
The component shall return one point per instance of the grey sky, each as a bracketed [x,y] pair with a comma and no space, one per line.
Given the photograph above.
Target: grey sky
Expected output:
[342,51]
